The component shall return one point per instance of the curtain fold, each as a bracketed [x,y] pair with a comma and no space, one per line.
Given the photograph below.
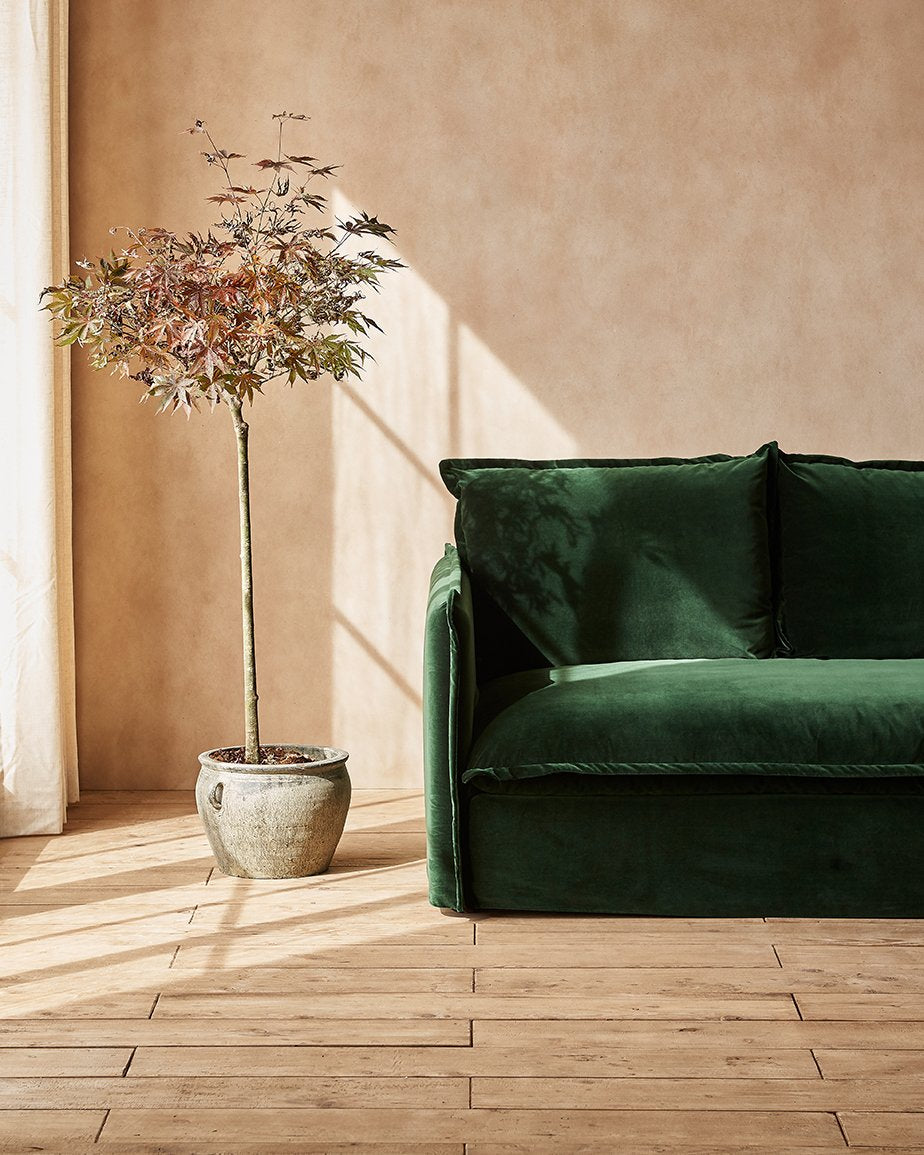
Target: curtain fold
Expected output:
[38,743]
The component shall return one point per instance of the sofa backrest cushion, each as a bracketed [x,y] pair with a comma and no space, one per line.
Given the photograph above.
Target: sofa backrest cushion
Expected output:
[600,561]
[851,558]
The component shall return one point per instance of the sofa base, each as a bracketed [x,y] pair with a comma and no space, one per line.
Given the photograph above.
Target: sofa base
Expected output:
[798,848]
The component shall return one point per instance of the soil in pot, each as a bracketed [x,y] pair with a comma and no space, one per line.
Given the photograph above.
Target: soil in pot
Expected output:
[269,755]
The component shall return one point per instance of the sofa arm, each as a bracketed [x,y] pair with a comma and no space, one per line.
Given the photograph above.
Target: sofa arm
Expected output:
[448,709]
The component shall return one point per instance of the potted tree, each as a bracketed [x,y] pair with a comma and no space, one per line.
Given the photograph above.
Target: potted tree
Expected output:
[268,292]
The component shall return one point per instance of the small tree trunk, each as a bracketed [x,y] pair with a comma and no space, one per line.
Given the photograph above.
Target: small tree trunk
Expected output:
[251,722]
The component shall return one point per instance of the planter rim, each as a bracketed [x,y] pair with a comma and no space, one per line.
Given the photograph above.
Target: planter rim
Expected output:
[332,758]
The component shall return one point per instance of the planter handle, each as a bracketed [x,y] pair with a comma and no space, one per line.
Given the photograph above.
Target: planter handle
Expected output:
[215,795]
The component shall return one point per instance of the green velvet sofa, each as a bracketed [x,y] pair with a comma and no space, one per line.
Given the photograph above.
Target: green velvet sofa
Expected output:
[689,687]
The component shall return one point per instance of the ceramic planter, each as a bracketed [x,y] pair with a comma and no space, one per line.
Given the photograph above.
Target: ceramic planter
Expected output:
[274,821]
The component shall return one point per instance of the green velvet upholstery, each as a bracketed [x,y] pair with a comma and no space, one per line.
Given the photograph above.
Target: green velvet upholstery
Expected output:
[689,688]
[684,849]
[722,716]
[851,558]
[448,709]
[605,561]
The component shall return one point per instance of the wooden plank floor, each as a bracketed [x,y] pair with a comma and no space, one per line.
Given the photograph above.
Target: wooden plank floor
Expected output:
[150,1004]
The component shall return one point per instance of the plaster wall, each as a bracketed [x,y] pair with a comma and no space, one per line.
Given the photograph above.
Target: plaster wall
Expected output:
[633,227]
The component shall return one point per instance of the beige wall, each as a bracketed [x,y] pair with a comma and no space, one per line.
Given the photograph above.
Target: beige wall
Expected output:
[633,227]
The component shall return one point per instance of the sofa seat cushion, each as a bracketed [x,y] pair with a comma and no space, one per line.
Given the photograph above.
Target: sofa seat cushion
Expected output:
[706,717]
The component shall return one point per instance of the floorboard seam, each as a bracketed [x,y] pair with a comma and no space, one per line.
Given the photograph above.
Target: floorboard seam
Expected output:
[795,1003]
[154,1005]
[101,1126]
[129,1063]
[817,1064]
[840,1127]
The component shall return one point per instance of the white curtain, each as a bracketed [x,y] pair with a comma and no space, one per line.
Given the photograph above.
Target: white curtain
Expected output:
[38,747]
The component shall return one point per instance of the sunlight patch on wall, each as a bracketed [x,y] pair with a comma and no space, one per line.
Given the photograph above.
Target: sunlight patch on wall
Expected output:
[390,519]
[389,523]
[408,384]
[498,416]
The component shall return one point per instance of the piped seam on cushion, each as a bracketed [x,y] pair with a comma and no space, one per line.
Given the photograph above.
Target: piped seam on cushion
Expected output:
[452,751]
[802,769]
